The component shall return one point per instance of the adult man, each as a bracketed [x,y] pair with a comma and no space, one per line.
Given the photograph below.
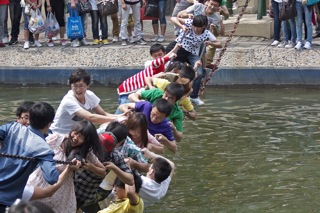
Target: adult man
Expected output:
[30,142]
[156,183]
[172,93]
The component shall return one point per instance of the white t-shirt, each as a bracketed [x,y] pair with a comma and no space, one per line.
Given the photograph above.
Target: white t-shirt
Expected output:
[152,191]
[65,117]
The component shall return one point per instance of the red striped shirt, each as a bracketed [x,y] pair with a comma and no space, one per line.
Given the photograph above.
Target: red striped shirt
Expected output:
[137,81]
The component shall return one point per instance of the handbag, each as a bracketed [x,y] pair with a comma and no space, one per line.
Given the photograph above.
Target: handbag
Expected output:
[152,8]
[85,6]
[312,2]
[36,22]
[288,10]
[143,16]
[107,7]
[74,26]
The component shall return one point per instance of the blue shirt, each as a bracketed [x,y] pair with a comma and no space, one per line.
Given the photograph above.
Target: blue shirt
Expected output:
[14,173]
[163,127]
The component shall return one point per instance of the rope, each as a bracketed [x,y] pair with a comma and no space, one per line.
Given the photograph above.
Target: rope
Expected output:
[32,159]
[206,80]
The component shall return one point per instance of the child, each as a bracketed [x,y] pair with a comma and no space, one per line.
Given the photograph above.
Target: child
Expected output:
[128,199]
[137,81]
[23,114]
[195,34]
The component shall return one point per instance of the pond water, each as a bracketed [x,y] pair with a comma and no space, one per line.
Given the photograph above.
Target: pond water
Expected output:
[249,150]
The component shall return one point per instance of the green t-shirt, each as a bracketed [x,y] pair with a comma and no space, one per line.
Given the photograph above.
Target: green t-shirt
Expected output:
[176,115]
[223,3]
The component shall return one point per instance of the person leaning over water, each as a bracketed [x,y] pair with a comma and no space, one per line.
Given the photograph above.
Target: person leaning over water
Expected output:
[25,141]
[23,114]
[77,104]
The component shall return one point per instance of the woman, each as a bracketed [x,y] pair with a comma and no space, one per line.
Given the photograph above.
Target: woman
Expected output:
[138,132]
[82,143]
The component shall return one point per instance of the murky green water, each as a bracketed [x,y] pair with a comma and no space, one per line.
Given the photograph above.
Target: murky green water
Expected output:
[249,150]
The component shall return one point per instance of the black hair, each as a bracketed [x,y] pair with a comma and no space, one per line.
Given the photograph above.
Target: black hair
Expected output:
[41,114]
[163,106]
[175,89]
[188,72]
[137,181]
[118,129]
[218,1]
[156,48]
[24,107]
[200,21]
[91,141]
[78,75]
[136,120]
[174,64]
[30,207]
[162,169]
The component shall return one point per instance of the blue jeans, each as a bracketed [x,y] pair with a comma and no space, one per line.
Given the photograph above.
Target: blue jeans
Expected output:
[196,85]
[103,25]
[162,7]
[289,30]
[123,99]
[308,14]
[83,17]
[276,20]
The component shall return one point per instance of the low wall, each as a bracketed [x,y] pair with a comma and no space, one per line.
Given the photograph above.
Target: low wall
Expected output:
[112,77]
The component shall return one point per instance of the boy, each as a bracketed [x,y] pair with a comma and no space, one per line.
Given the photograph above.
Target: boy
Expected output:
[23,114]
[172,93]
[25,141]
[137,81]
[156,115]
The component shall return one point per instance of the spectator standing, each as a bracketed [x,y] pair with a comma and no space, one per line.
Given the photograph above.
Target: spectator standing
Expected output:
[303,7]
[3,18]
[163,22]
[276,22]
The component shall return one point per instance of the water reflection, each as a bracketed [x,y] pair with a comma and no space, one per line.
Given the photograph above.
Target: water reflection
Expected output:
[249,151]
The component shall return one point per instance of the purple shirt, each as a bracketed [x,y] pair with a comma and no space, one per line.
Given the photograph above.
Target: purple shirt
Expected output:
[163,127]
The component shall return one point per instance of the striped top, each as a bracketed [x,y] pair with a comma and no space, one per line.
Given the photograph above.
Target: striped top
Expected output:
[137,81]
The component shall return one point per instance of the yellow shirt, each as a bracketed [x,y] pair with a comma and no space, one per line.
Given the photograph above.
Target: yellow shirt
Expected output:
[162,83]
[124,206]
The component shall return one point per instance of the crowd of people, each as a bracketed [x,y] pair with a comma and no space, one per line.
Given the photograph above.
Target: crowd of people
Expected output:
[292,29]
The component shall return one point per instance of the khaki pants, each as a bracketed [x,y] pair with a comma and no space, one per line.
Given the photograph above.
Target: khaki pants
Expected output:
[210,54]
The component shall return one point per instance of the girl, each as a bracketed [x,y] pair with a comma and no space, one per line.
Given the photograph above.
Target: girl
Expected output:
[192,37]
[138,131]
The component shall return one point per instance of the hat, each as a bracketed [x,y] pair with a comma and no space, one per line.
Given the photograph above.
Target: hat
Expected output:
[108,141]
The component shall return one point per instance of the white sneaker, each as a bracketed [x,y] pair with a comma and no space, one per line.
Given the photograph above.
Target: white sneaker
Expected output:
[63,42]
[5,40]
[75,43]
[131,40]
[54,38]
[161,38]
[289,45]
[235,5]
[282,44]
[84,42]
[37,43]
[115,39]
[275,43]
[50,43]
[197,101]
[298,46]
[307,45]
[26,45]
[155,38]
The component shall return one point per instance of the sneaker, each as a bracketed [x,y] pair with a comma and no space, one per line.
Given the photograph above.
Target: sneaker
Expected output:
[316,35]
[197,101]
[275,43]
[37,43]
[63,42]
[289,45]
[26,45]
[5,40]
[75,43]
[84,42]
[95,41]
[282,44]
[2,44]
[54,38]
[131,40]
[155,38]
[50,43]
[124,42]
[161,38]
[115,39]
[13,41]
[105,41]
[235,5]
[307,45]
[142,41]
[298,46]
